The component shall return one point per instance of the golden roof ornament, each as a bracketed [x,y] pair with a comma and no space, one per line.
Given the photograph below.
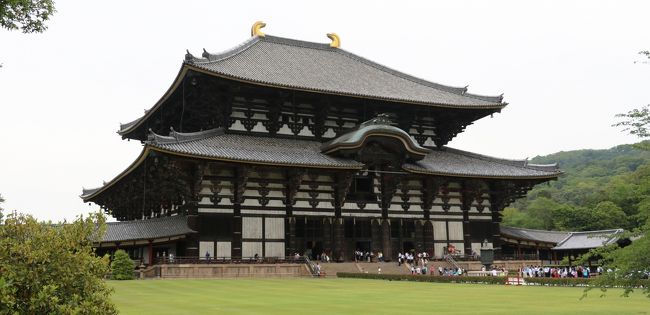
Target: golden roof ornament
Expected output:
[256,29]
[336,41]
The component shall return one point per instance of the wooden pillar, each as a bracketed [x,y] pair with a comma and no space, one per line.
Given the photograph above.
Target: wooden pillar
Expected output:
[150,252]
[327,235]
[427,230]
[339,248]
[376,243]
[290,236]
[467,244]
[419,236]
[387,248]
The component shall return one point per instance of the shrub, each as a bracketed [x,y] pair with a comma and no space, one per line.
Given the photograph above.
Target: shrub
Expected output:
[122,266]
[52,269]
[424,278]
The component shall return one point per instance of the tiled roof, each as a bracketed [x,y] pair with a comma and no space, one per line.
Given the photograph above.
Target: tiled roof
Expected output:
[588,239]
[148,229]
[217,145]
[450,161]
[290,63]
[243,148]
[534,235]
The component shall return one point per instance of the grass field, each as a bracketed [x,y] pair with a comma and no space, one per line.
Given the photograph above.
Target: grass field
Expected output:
[347,296]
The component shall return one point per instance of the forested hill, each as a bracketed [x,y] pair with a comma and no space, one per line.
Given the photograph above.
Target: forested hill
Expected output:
[600,189]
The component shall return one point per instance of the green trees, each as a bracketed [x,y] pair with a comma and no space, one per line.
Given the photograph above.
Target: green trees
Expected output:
[596,187]
[29,16]
[122,266]
[52,269]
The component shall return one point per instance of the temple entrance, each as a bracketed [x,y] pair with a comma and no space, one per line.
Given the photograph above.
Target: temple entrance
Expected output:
[363,246]
[313,249]
[408,246]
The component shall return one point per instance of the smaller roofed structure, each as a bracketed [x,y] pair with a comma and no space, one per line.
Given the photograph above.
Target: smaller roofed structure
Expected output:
[143,231]
[589,239]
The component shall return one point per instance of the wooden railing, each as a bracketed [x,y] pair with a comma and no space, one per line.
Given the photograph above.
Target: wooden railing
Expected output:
[228,260]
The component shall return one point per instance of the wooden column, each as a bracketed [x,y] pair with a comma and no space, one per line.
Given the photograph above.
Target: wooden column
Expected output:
[387,248]
[427,230]
[376,235]
[327,235]
[239,183]
[339,248]
[290,236]
[150,252]
[419,236]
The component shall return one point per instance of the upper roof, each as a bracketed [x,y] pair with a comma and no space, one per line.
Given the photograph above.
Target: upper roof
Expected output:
[149,229]
[589,239]
[317,67]
[534,235]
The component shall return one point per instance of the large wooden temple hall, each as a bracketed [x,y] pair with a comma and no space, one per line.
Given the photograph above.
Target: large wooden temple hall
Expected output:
[281,146]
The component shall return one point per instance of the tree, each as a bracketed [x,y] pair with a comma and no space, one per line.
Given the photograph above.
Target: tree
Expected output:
[122,266]
[29,16]
[631,264]
[52,269]
[1,201]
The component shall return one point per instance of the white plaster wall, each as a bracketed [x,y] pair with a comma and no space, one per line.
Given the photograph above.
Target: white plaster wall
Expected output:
[274,228]
[224,249]
[274,249]
[249,249]
[251,227]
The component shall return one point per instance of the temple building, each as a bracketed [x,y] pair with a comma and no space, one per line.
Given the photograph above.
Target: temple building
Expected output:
[281,146]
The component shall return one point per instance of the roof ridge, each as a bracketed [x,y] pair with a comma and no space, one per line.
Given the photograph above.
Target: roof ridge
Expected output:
[225,54]
[535,230]
[181,137]
[599,231]
[149,219]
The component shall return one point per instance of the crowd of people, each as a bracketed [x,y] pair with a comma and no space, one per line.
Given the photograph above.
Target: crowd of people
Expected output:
[419,259]
[368,256]
[558,272]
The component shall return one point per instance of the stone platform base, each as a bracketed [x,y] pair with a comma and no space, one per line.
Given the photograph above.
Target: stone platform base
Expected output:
[227,271]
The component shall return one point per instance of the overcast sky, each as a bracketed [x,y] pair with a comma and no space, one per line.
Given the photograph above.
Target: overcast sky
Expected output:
[565,67]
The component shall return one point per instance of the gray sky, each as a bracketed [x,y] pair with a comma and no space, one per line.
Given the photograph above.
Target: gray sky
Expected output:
[565,67]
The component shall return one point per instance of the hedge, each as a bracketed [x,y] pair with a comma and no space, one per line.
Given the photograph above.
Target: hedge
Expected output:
[424,278]
[573,282]
[560,282]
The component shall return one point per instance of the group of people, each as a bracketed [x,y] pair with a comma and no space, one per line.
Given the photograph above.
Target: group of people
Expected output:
[419,259]
[450,272]
[558,272]
[368,256]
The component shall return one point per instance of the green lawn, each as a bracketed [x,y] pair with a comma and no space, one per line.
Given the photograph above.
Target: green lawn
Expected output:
[347,296]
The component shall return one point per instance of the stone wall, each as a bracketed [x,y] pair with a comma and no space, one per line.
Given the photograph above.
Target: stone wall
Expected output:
[231,270]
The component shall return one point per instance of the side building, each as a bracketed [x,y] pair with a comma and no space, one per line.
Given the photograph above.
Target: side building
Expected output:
[280,146]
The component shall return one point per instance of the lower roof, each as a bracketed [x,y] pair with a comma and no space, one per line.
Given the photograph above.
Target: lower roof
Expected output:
[148,229]
[219,146]
[589,239]
[541,236]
